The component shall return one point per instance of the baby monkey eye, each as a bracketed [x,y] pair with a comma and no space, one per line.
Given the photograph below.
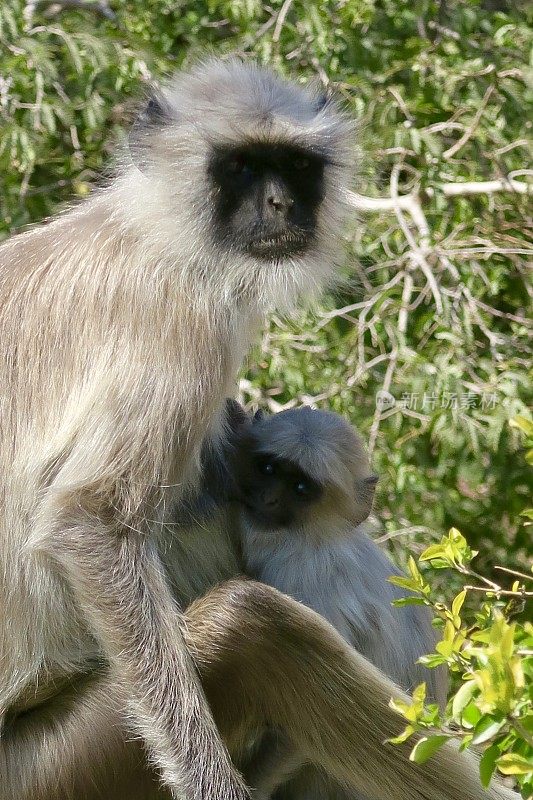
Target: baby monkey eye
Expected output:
[302,488]
[267,468]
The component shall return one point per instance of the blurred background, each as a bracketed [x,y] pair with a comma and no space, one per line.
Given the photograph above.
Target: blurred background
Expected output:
[427,346]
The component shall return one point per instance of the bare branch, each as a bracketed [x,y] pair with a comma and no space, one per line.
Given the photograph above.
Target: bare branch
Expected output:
[418,250]
[404,532]
[515,573]
[280,21]
[472,127]
[407,202]
[484,187]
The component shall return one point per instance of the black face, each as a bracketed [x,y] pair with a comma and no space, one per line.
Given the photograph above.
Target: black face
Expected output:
[267,198]
[275,491]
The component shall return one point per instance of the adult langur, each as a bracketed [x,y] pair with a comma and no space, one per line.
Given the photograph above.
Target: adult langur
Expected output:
[122,325]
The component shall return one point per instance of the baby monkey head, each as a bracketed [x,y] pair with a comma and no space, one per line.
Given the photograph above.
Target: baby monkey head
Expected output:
[253,170]
[301,466]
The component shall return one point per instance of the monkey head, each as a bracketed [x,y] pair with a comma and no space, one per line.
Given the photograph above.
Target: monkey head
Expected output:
[251,172]
[299,466]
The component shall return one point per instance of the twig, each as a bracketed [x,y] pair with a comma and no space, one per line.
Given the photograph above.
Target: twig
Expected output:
[403,313]
[339,312]
[472,127]
[506,148]
[503,314]
[365,367]
[280,21]
[404,532]
[401,103]
[417,251]
[515,573]
[407,202]
[378,415]
[265,27]
[498,591]
[484,187]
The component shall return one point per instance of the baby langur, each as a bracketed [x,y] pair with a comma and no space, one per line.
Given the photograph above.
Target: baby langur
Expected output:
[306,488]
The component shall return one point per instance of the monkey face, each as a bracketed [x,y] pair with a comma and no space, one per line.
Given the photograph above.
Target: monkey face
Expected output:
[242,170]
[303,468]
[275,492]
[267,198]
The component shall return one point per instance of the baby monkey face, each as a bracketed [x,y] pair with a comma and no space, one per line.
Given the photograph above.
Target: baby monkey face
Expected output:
[305,469]
[275,491]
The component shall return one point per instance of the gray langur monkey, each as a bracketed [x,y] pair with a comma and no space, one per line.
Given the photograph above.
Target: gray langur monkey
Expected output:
[305,488]
[122,325]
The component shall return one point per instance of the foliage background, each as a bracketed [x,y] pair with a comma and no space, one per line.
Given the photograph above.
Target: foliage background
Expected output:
[443,93]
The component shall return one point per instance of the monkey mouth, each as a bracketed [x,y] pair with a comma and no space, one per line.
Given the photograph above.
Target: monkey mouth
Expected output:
[265,520]
[280,246]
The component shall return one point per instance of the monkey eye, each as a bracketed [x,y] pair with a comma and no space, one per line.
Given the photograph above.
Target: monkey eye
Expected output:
[238,165]
[267,468]
[301,163]
[302,488]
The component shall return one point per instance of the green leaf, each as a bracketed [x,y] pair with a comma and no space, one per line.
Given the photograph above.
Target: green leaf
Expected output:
[487,764]
[470,716]
[487,727]
[462,698]
[434,551]
[409,601]
[426,747]
[414,571]
[431,661]
[514,764]
[419,693]
[404,583]
[457,605]
[525,425]
[403,736]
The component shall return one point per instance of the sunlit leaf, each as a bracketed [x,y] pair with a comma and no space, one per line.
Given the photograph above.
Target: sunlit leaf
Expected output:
[426,747]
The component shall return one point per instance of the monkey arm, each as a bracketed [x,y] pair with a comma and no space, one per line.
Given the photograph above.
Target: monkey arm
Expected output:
[120,585]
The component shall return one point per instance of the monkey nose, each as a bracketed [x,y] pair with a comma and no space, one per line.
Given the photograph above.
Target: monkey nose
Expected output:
[270,500]
[279,203]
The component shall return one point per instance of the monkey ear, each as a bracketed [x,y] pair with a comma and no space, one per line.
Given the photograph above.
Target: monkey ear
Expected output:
[154,114]
[259,415]
[236,416]
[322,100]
[365,489]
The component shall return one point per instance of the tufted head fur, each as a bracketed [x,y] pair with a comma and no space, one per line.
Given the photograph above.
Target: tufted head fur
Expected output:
[318,462]
[226,110]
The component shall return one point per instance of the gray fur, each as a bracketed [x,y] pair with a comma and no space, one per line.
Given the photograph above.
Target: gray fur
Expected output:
[331,565]
[122,328]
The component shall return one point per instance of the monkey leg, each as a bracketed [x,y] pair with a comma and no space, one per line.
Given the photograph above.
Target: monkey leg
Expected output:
[74,747]
[280,770]
[267,661]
